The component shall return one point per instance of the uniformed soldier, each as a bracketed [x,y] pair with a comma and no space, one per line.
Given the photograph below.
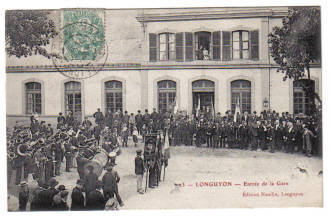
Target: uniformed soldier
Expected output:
[139,122]
[254,136]
[68,154]
[139,170]
[146,119]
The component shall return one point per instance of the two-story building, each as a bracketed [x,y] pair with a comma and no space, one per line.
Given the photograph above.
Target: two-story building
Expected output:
[215,57]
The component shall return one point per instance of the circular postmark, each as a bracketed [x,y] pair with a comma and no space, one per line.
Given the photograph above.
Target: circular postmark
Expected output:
[81,47]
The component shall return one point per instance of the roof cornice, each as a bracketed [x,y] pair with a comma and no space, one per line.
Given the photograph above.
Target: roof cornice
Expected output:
[221,14]
[136,66]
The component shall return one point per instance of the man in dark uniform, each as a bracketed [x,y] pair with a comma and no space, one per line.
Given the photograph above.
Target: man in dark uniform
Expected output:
[139,170]
[49,131]
[81,161]
[95,199]
[278,135]
[98,115]
[110,182]
[38,197]
[49,163]
[231,135]
[154,115]
[244,133]
[60,120]
[209,135]
[153,174]
[68,154]
[254,136]
[139,121]
[271,137]
[108,118]
[190,132]
[58,156]
[262,132]
[69,120]
[90,180]
[77,197]
[50,193]
[146,119]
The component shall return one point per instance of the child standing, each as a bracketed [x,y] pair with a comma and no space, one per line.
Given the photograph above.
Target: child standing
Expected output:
[135,136]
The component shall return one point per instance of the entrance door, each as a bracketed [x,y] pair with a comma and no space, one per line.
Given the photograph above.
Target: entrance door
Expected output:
[206,101]
[203,93]
[73,99]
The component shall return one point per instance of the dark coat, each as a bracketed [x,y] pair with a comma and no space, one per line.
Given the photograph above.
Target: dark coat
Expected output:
[95,200]
[90,182]
[139,166]
[36,203]
[62,206]
[23,198]
[49,195]
[139,120]
[78,200]
[110,180]
[98,117]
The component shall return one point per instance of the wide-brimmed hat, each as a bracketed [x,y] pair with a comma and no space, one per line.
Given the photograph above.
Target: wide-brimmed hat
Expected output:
[23,183]
[61,188]
[112,154]
[52,182]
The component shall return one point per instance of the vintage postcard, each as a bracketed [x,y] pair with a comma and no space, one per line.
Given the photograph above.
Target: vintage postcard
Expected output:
[177,108]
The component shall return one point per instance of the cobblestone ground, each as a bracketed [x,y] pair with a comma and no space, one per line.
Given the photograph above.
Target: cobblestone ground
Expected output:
[195,167]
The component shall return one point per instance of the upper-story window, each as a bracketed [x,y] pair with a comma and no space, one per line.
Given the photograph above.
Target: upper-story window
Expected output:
[241,45]
[217,45]
[202,45]
[166,46]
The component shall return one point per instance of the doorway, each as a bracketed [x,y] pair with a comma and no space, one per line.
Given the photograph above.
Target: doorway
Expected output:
[203,96]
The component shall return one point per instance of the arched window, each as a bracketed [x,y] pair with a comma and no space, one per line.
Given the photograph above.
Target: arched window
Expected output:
[166,95]
[113,96]
[166,46]
[73,100]
[302,100]
[241,45]
[33,97]
[241,93]
[202,45]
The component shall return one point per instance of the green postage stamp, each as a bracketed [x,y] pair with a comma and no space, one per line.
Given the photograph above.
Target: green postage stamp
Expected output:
[83,34]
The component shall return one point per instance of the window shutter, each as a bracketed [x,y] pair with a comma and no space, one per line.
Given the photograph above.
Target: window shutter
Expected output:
[189,46]
[179,46]
[152,47]
[254,44]
[226,46]
[216,45]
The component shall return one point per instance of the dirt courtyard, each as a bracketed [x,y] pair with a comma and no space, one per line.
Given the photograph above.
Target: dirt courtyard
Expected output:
[214,178]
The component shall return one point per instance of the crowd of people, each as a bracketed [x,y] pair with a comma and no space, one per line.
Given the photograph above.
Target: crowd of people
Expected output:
[40,149]
[267,130]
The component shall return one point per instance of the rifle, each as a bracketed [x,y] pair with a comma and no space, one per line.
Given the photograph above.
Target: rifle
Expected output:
[147,174]
[164,172]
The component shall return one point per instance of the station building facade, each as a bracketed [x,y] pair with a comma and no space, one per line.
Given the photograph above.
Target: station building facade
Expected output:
[157,57]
